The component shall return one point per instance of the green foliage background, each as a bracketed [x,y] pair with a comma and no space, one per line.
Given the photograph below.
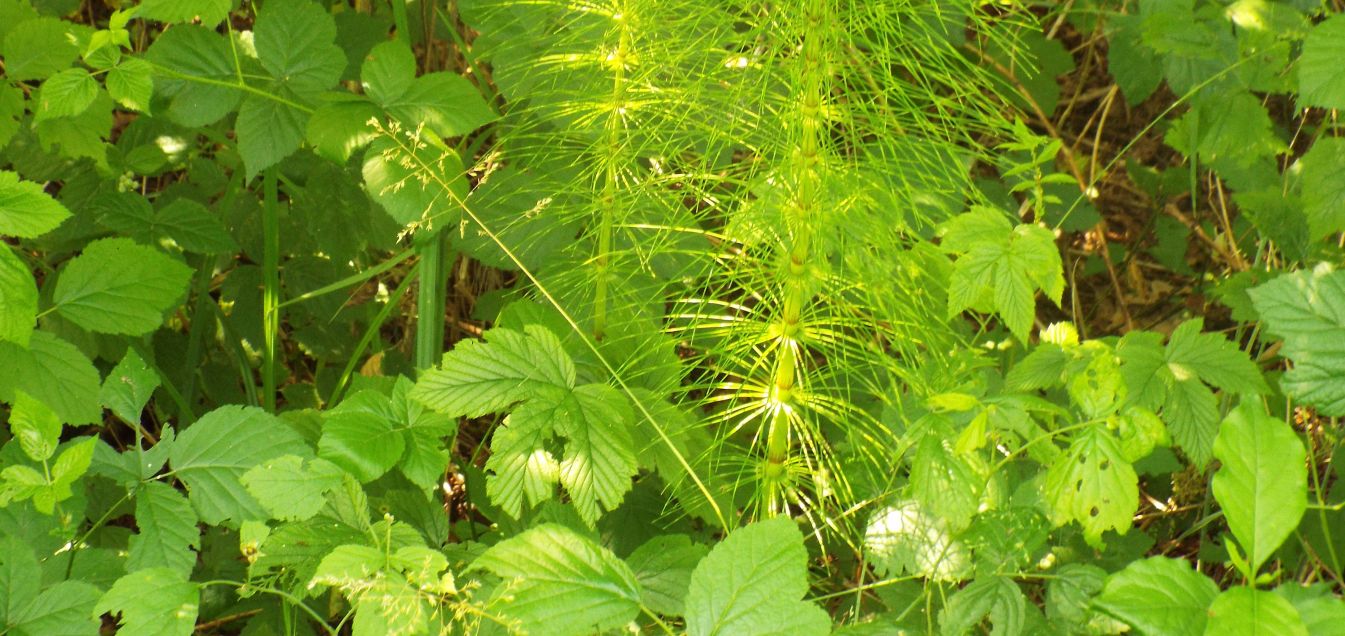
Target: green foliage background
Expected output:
[730,317]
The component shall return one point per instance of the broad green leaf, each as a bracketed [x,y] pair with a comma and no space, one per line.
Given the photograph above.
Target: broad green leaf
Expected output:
[1070,594]
[11,111]
[349,565]
[128,387]
[753,582]
[210,12]
[25,210]
[168,530]
[599,459]
[65,94]
[1323,193]
[1262,482]
[290,488]
[1136,68]
[64,609]
[1174,378]
[196,52]
[340,126]
[997,597]
[153,602]
[663,567]
[388,71]
[1094,485]
[20,576]
[428,193]
[70,465]
[294,40]
[1159,596]
[38,50]
[117,286]
[1321,78]
[268,131]
[361,436]
[478,377]
[1245,611]
[212,455]
[56,373]
[18,299]
[562,582]
[520,464]
[82,135]
[1307,310]
[426,455]
[448,104]
[194,228]
[131,83]
[1038,370]
[36,427]
[1000,267]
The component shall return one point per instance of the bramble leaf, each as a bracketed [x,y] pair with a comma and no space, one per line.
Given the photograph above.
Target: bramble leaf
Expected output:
[1159,595]
[290,488]
[25,210]
[210,12]
[997,597]
[196,52]
[1307,310]
[486,376]
[562,582]
[153,602]
[213,454]
[168,530]
[663,567]
[1321,79]
[1252,612]
[18,299]
[65,94]
[753,582]
[117,286]
[1094,485]
[56,373]
[128,387]
[1262,481]
[1000,266]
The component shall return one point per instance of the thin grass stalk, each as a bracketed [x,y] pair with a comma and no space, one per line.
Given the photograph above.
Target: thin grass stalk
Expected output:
[270,286]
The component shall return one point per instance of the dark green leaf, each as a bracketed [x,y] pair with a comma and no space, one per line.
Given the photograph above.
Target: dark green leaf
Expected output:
[116,286]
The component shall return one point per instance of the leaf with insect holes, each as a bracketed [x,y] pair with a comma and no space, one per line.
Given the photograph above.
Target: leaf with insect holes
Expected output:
[1093,484]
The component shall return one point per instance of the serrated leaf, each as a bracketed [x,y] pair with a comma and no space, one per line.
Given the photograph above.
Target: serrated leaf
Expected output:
[26,211]
[1323,192]
[1321,79]
[340,126]
[1307,310]
[999,270]
[210,12]
[447,103]
[478,377]
[193,51]
[18,299]
[1245,611]
[212,455]
[131,83]
[289,489]
[1038,370]
[753,582]
[168,531]
[901,538]
[64,94]
[11,111]
[194,228]
[562,582]
[268,131]
[428,193]
[663,567]
[19,575]
[1262,482]
[55,372]
[1094,485]
[361,436]
[349,565]
[997,597]
[944,483]
[1159,595]
[1070,594]
[117,286]
[1214,359]
[64,609]
[38,50]
[599,459]
[153,602]
[127,388]
[35,426]
[1136,69]
[294,40]
[388,71]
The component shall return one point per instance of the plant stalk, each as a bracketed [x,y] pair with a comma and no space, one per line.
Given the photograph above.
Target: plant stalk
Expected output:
[270,286]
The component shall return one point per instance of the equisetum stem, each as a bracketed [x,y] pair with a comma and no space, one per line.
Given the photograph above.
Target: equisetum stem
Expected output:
[796,293]
[607,202]
[430,300]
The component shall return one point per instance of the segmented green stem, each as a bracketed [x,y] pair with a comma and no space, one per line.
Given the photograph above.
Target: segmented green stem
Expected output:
[607,202]
[796,293]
